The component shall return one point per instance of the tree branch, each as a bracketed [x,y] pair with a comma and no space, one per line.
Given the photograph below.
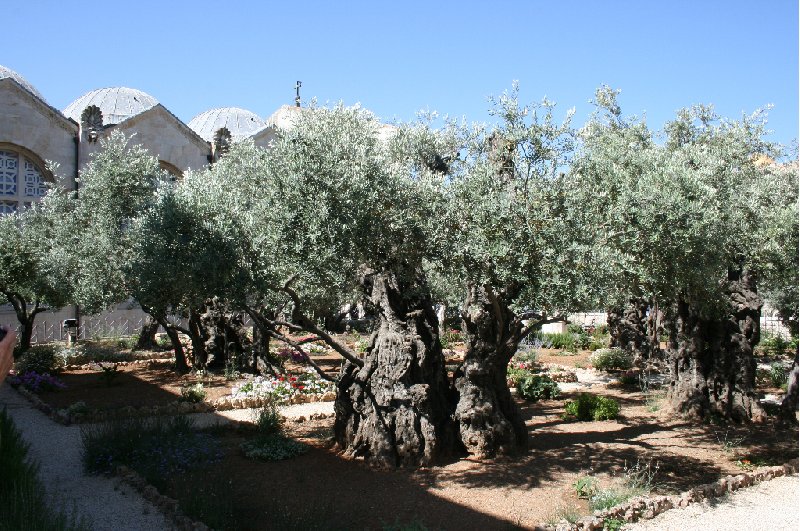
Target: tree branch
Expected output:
[538,320]
[309,325]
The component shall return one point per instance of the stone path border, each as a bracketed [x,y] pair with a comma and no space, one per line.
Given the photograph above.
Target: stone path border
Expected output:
[648,507]
[63,416]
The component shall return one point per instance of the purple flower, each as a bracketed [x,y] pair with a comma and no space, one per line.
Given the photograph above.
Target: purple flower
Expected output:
[36,382]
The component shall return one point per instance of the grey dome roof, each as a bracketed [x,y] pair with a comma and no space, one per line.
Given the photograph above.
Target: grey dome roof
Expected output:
[7,72]
[240,122]
[116,103]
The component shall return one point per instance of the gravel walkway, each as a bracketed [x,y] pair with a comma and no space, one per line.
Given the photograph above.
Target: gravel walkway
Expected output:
[768,506]
[105,502]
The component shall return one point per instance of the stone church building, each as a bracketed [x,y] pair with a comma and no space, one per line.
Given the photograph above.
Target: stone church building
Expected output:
[33,134]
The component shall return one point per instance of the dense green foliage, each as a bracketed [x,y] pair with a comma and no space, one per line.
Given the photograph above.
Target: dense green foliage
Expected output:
[538,387]
[606,359]
[592,407]
[33,274]
[506,226]
[672,216]
[40,358]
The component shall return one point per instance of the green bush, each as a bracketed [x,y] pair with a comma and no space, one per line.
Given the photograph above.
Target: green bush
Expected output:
[450,337]
[592,407]
[563,341]
[777,374]
[515,375]
[92,352]
[24,502]
[613,524]
[774,345]
[538,387]
[573,328]
[40,359]
[270,443]
[606,359]
[598,341]
[269,421]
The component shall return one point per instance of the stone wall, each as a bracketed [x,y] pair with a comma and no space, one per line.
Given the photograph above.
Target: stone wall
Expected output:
[29,123]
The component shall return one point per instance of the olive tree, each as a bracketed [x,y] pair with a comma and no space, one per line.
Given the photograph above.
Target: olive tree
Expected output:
[116,186]
[179,259]
[32,275]
[517,253]
[93,240]
[331,214]
[682,222]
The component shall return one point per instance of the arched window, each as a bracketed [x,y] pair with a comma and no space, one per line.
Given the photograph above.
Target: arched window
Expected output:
[173,170]
[22,179]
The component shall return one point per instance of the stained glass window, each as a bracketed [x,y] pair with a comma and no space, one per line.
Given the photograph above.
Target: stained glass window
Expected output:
[8,173]
[34,182]
[21,181]
[8,207]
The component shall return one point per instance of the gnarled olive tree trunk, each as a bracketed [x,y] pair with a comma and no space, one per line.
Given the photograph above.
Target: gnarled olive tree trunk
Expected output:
[224,334]
[713,369]
[147,335]
[627,327]
[789,404]
[489,421]
[395,410]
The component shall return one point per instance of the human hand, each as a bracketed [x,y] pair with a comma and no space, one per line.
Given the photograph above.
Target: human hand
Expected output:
[6,351]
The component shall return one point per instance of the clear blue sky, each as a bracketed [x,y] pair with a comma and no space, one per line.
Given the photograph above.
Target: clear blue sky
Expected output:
[398,57]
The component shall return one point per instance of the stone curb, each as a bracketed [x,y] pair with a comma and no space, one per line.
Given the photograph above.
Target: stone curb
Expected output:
[648,507]
[166,505]
[62,416]
[91,366]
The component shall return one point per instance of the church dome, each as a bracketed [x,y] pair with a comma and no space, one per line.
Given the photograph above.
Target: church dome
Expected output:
[7,72]
[240,122]
[116,103]
[285,117]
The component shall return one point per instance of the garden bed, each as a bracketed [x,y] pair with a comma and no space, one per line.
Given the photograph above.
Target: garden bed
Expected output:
[319,489]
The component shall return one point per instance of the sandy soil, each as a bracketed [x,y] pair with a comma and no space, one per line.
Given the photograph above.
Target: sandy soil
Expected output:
[462,493]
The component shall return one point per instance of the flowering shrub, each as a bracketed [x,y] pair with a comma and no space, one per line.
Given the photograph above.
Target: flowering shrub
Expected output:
[281,389]
[36,383]
[287,353]
[260,387]
[309,383]
[193,393]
